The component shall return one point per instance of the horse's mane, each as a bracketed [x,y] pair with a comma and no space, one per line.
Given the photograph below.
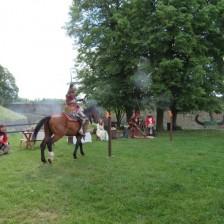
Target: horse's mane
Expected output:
[89,109]
[92,113]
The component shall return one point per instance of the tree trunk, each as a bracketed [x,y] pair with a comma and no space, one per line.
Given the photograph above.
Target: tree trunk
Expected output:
[129,113]
[174,118]
[118,116]
[159,119]
[212,116]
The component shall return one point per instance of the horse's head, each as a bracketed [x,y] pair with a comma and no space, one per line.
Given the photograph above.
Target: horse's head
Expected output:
[92,113]
[95,115]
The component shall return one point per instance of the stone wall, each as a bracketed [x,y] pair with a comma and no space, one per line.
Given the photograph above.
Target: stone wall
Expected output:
[187,121]
[34,112]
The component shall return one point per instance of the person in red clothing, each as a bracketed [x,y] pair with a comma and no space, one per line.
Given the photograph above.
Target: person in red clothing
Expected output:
[71,101]
[4,144]
[134,122]
[72,108]
[149,123]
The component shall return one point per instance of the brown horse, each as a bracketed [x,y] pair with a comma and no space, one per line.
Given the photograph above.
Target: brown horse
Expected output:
[57,126]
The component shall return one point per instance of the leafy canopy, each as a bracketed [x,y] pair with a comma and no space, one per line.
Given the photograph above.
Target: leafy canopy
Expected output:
[8,89]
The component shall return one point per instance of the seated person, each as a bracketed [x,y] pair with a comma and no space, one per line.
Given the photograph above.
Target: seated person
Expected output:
[149,123]
[4,145]
[100,131]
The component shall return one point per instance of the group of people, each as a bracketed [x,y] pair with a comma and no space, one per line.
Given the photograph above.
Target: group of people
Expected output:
[74,110]
[135,124]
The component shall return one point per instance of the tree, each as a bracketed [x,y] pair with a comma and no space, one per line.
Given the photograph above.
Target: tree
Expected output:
[98,28]
[182,41]
[8,89]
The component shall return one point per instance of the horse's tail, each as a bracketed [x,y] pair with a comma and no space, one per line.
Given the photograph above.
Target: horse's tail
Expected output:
[38,127]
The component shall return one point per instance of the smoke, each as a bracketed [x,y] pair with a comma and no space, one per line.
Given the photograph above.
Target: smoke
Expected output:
[142,80]
[164,100]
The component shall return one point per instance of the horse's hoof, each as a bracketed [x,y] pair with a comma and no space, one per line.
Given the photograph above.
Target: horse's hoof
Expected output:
[44,161]
[49,160]
[75,157]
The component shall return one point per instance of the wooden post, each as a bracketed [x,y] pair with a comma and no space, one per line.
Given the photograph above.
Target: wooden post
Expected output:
[171,128]
[109,134]
[171,124]
[109,140]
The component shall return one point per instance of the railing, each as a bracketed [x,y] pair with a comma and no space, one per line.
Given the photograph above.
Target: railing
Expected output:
[12,128]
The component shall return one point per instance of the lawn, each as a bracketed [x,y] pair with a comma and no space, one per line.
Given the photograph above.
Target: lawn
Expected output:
[145,181]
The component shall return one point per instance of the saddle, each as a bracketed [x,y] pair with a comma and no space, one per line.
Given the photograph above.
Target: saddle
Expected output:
[71,114]
[71,117]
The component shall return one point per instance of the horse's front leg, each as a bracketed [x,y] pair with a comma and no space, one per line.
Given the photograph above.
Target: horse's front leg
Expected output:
[42,147]
[76,148]
[81,149]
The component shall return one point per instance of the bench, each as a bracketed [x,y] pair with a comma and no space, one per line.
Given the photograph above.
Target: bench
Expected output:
[208,123]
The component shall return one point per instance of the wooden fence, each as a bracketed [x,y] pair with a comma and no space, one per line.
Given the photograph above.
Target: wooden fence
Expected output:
[15,128]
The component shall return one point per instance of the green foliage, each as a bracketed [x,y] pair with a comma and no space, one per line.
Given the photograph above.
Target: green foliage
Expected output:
[145,181]
[8,89]
[177,128]
[182,42]
[186,58]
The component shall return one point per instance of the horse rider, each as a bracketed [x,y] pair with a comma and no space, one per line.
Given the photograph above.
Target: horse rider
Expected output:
[71,103]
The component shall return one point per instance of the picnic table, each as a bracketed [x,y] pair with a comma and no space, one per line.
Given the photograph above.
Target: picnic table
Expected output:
[27,136]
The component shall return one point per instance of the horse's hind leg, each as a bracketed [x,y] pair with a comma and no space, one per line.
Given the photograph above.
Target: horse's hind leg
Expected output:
[51,153]
[42,147]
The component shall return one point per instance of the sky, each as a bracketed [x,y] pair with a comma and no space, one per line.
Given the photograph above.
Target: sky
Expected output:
[35,48]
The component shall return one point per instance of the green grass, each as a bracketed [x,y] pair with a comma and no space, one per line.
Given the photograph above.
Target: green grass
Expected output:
[8,115]
[145,181]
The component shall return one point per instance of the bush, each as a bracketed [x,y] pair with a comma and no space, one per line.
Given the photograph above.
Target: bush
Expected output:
[177,128]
